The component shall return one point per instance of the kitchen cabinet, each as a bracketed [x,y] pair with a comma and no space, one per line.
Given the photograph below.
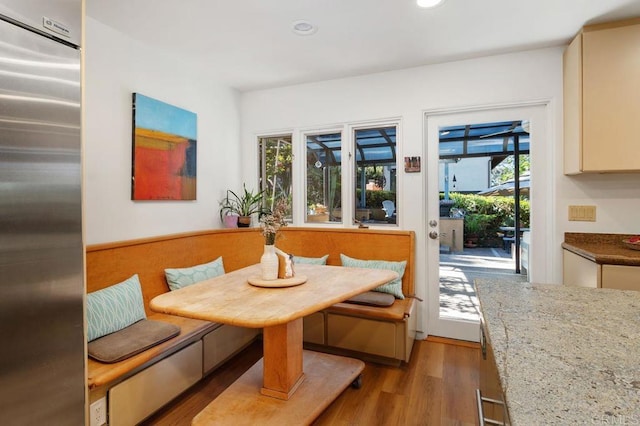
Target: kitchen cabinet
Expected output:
[578,271]
[601,99]
[565,355]
[621,277]
[490,397]
[582,272]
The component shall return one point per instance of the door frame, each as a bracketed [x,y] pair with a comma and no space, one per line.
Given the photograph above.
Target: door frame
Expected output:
[542,202]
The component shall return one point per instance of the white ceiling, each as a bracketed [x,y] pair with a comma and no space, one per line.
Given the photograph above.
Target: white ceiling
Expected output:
[249,44]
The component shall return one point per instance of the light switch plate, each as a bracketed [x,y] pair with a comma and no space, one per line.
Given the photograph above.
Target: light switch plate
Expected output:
[582,213]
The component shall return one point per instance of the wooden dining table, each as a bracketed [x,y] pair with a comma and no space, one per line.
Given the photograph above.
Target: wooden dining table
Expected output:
[288,385]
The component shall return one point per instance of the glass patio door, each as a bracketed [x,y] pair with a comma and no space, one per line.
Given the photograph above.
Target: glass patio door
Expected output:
[442,322]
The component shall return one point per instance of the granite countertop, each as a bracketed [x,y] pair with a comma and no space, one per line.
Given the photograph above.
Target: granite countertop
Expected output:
[604,249]
[565,355]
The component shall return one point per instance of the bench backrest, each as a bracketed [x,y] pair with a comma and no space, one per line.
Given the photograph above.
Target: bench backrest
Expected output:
[363,244]
[110,263]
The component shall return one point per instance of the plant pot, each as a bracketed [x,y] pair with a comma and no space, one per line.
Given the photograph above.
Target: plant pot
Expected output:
[471,241]
[244,221]
[230,221]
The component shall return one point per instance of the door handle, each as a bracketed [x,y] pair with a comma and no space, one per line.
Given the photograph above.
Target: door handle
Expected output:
[433,235]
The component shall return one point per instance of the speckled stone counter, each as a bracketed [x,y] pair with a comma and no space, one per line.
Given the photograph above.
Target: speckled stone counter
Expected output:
[606,249]
[565,355]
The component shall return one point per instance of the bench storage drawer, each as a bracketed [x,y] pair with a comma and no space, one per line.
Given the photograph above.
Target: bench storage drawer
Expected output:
[356,334]
[224,342]
[134,399]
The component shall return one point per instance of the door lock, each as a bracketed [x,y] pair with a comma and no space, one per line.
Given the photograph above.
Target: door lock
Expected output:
[433,235]
[433,223]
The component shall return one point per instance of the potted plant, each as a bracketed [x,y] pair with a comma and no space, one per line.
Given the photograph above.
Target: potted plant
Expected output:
[474,226]
[243,205]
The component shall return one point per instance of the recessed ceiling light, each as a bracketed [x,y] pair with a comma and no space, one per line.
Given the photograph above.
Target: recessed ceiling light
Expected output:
[428,3]
[303,28]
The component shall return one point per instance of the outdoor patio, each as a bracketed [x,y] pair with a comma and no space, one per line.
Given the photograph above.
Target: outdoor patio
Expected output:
[457,272]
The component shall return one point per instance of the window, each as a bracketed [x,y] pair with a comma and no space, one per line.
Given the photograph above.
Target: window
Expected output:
[375,174]
[360,189]
[275,169]
[324,177]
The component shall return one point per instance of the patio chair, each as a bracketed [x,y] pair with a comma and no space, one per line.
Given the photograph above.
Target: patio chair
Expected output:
[389,208]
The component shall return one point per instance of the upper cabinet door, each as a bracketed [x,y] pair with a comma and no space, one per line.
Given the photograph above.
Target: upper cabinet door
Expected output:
[602,99]
[572,92]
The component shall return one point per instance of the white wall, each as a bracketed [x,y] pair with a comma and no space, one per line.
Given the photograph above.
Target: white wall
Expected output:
[115,67]
[472,174]
[616,197]
[512,78]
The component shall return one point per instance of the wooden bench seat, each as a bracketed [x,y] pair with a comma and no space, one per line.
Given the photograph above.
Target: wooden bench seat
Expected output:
[100,374]
[200,347]
[381,334]
[400,310]
[162,372]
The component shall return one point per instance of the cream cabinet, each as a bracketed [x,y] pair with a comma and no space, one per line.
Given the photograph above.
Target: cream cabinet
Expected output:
[621,277]
[602,99]
[490,400]
[581,272]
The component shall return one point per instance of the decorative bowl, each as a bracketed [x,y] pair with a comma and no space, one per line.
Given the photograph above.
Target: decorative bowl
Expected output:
[632,243]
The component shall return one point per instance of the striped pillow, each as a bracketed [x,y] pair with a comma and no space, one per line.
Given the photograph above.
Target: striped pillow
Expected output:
[300,260]
[182,277]
[114,308]
[393,287]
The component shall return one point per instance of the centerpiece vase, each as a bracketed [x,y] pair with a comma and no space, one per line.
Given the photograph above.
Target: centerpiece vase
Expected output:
[269,263]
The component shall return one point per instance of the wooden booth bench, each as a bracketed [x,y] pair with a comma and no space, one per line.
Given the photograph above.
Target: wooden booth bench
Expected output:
[138,386]
[381,334]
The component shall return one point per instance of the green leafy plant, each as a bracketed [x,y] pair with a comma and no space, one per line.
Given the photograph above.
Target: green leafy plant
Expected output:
[245,204]
[475,224]
[500,209]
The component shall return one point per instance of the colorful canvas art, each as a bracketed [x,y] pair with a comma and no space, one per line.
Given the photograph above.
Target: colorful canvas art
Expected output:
[164,151]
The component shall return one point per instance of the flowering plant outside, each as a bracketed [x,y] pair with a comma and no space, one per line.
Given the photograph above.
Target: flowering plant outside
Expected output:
[272,222]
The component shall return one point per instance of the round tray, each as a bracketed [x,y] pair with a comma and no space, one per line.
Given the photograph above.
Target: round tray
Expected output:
[283,282]
[632,246]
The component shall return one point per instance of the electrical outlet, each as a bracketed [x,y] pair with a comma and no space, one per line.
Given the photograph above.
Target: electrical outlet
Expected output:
[98,412]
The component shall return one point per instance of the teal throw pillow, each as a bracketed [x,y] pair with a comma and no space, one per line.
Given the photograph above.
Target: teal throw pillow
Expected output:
[182,277]
[300,260]
[394,287]
[114,308]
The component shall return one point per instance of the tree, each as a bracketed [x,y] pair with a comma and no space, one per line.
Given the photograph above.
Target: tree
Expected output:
[505,171]
[278,156]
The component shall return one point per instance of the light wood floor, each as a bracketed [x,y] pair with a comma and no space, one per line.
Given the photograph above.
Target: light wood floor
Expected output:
[435,388]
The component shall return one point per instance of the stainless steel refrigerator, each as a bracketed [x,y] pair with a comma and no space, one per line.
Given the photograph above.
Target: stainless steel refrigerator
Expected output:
[42,343]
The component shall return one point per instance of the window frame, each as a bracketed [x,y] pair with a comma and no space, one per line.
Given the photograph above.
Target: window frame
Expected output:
[348,168]
[262,169]
[303,166]
[374,124]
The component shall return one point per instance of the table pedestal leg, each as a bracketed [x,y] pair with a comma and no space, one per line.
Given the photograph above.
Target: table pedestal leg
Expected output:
[282,373]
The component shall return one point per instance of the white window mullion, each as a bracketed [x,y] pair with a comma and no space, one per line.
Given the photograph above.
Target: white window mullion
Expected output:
[348,167]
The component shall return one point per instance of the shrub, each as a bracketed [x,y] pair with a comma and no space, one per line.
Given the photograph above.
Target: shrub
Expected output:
[492,212]
[374,199]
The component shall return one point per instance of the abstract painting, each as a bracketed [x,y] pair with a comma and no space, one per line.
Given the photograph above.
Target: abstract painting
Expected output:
[164,151]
